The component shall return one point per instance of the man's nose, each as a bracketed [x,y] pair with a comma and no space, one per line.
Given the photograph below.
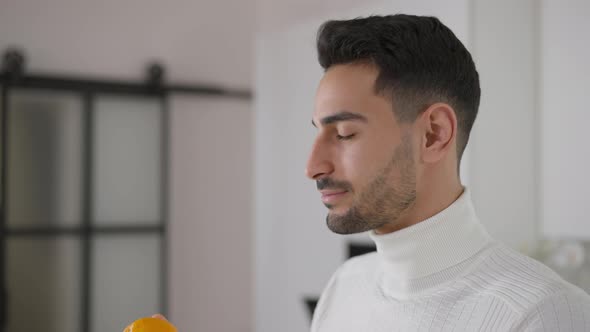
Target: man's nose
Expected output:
[318,164]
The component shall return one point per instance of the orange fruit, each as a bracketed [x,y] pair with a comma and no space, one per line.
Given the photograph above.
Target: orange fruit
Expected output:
[150,324]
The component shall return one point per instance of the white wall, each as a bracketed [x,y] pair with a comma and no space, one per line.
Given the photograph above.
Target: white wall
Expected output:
[295,252]
[204,40]
[565,156]
[503,145]
[211,229]
[198,41]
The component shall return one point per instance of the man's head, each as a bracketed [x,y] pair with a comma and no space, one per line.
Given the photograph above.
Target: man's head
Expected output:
[394,110]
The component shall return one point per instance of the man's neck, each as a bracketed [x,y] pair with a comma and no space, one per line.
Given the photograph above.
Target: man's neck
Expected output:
[429,201]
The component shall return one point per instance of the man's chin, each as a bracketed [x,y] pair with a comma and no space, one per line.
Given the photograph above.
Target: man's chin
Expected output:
[337,211]
[345,229]
[344,223]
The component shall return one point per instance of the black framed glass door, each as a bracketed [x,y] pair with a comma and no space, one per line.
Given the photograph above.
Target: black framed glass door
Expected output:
[84,199]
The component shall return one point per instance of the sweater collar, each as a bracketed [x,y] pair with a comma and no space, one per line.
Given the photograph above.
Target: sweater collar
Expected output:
[438,243]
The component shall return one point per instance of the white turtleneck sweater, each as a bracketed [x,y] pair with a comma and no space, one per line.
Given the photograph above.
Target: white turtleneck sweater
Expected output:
[446,274]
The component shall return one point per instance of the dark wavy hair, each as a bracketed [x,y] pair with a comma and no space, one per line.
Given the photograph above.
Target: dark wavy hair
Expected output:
[420,62]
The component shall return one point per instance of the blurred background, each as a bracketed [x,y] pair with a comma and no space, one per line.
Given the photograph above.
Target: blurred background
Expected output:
[153,154]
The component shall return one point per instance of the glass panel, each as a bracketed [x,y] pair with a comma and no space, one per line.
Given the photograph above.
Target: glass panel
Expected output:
[44,159]
[43,285]
[127,160]
[126,280]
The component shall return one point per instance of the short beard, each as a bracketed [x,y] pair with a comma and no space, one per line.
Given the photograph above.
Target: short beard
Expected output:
[381,203]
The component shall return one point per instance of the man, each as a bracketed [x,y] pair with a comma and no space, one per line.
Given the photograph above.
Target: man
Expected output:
[393,111]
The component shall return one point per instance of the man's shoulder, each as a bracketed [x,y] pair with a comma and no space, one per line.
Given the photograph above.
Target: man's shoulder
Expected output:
[519,280]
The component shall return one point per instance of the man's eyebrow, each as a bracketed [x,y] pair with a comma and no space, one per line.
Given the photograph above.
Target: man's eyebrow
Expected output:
[341,116]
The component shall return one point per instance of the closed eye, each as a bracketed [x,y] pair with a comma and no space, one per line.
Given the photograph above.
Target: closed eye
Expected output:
[344,138]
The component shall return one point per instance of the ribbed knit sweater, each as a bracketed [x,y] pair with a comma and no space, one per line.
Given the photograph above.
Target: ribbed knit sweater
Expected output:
[446,274]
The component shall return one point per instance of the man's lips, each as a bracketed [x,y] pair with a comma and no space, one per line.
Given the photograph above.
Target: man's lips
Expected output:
[330,196]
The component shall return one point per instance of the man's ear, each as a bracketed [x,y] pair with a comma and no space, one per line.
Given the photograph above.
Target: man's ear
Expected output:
[439,132]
